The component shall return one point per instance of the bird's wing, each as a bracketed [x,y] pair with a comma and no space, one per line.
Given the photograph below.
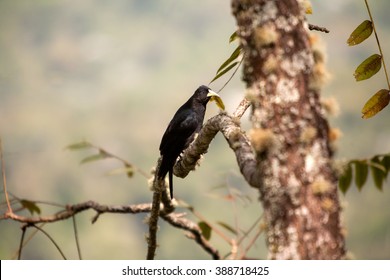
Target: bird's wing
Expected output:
[179,131]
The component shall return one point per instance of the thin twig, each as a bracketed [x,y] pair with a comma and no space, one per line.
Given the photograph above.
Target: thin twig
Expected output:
[4,178]
[245,235]
[234,72]
[21,243]
[250,229]
[76,235]
[215,229]
[379,44]
[257,235]
[235,212]
[125,162]
[50,238]
[24,243]
[318,28]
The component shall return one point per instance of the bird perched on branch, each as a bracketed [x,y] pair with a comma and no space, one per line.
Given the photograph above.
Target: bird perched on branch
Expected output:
[181,131]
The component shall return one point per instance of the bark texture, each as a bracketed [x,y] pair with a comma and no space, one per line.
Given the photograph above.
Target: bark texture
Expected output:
[290,135]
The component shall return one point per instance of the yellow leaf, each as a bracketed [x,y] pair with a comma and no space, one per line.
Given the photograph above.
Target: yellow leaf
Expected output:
[376,103]
[307,6]
[368,68]
[361,33]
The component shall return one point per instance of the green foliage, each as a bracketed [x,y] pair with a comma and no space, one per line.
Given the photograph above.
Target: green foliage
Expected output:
[369,68]
[233,37]
[378,172]
[232,61]
[102,154]
[361,33]
[224,71]
[379,166]
[31,206]
[361,173]
[206,230]
[92,158]
[376,103]
[346,179]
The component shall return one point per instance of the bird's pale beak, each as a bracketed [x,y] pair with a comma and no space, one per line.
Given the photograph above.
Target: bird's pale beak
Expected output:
[215,97]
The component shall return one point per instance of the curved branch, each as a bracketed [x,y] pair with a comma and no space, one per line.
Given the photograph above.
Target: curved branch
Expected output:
[230,127]
[175,219]
[50,238]
[72,210]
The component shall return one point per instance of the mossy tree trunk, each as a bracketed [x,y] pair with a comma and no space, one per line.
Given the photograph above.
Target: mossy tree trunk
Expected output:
[297,185]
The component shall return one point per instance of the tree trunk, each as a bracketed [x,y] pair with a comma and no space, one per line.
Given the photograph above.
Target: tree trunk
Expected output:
[290,135]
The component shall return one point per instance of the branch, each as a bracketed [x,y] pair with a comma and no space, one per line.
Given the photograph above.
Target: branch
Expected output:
[50,238]
[175,219]
[238,142]
[158,186]
[9,210]
[72,210]
[318,28]
[229,126]
[76,236]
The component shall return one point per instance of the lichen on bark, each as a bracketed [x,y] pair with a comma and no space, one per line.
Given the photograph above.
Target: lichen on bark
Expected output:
[302,223]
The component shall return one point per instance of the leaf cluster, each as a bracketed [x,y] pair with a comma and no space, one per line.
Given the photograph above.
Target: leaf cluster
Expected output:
[102,154]
[379,165]
[233,60]
[369,67]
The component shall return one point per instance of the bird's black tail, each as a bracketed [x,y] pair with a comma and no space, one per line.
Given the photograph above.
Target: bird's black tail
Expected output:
[166,166]
[171,182]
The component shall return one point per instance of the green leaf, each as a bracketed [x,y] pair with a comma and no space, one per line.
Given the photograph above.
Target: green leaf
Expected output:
[378,174]
[226,226]
[233,37]
[368,67]
[92,158]
[386,163]
[361,33]
[79,145]
[206,230]
[345,179]
[361,173]
[376,103]
[308,8]
[232,57]
[224,71]
[30,206]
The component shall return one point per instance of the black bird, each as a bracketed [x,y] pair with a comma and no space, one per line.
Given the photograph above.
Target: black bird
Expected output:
[182,129]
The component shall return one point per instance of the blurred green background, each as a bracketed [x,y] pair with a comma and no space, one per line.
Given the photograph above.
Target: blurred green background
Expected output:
[113,73]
